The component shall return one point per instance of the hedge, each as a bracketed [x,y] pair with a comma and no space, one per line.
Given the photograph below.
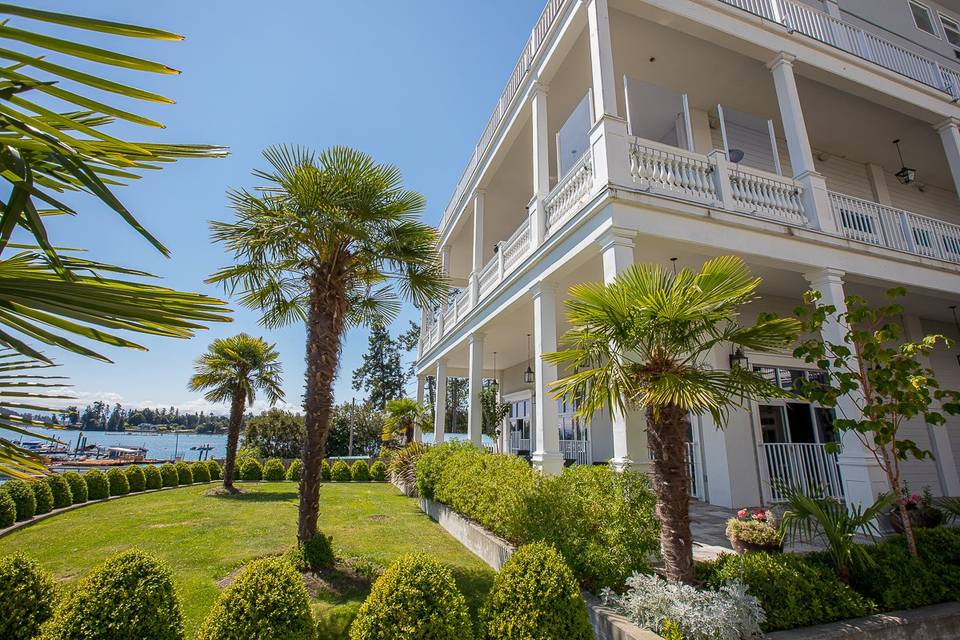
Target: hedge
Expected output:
[340,472]
[27,596]
[128,597]
[416,597]
[273,470]
[23,498]
[200,471]
[78,486]
[295,471]
[8,510]
[316,553]
[184,475]
[117,478]
[152,478]
[251,471]
[136,478]
[169,475]
[325,472]
[97,486]
[535,595]
[267,600]
[378,471]
[359,471]
[43,496]
[216,471]
[602,522]
[60,488]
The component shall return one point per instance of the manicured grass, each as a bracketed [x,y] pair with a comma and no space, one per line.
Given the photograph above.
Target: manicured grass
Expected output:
[204,539]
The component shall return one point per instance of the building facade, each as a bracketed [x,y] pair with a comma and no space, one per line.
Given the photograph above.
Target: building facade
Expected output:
[673,131]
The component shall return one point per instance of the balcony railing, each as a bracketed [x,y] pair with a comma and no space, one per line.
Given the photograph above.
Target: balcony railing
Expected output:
[808,467]
[827,29]
[562,201]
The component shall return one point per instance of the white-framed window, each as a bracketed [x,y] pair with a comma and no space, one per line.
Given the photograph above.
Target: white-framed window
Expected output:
[796,421]
[923,18]
[951,29]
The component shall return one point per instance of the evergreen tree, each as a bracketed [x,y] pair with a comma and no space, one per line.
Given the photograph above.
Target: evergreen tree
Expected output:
[381,374]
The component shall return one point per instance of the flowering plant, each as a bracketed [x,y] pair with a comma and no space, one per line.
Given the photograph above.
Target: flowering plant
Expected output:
[755,527]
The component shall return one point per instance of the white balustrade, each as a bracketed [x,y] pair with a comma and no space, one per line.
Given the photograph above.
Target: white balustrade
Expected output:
[519,443]
[668,170]
[808,467]
[461,307]
[768,196]
[569,191]
[693,466]
[489,277]
[933,238]
[576,450]
[516,246]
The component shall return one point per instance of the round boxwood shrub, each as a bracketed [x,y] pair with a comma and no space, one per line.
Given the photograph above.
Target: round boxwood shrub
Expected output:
[378,471]
[8,510]
[23,498]
[359,471]
[62,496]
[251,470]
[536,596]
[152,478]
[27,595]
[184,475]
[128,597]
[200,471]
[117,478]
[295,470]
[78,486]
[267,600]
[325,473]
[340,472]
[316,553]
[273,470]
[97,486]
[43,495]
[216,471]
[416,597]
[169,475]
[136,478]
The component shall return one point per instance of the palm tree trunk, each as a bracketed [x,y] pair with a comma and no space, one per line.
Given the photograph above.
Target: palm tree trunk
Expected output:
[325,325]
[667,433]
[233,438]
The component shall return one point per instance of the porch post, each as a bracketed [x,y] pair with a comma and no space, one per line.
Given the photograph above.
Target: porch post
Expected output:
[541,162]
[950,137]
[477,246]
[863,479]
[547,456]
[417,433]
[440,407]
[609,142]
[816,202]
[474,385]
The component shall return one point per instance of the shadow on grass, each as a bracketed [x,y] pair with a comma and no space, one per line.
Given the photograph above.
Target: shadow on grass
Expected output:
[475,584]
[259,496]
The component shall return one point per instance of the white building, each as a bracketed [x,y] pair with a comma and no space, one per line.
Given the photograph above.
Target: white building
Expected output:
[648,130]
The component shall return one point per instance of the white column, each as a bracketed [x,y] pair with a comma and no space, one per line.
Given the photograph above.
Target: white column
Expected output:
[417,434]
[943,454]
[816,202]
[477,245]
[950,137]
[440,408]
[541,162]
[547,456]
[609,143]
[878,184]
[601,60]
[863,479]
[474,385]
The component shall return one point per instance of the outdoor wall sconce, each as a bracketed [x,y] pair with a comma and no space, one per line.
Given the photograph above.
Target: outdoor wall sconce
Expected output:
[906,175]
[528,376]
[739,359]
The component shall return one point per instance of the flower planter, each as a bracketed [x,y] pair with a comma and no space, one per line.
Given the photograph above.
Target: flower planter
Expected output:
[920,518]
[742,547]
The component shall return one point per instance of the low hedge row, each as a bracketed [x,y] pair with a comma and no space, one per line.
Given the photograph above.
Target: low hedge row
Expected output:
[602,522]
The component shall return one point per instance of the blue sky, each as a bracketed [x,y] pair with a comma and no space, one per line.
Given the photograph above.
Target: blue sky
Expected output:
[411,82]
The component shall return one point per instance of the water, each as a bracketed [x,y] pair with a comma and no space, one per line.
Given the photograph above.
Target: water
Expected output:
[161,446]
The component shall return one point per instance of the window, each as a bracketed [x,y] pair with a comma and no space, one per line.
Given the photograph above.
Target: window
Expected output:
[923,18]
[951,28]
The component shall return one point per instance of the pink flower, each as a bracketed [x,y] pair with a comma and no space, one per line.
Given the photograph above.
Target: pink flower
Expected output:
[742,514]
[760,515]
[914,499]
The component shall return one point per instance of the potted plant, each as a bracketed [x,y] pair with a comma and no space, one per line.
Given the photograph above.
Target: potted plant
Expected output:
[921,511]
[754,530]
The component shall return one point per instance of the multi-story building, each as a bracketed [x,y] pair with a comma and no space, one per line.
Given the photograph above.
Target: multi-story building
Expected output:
[672,131]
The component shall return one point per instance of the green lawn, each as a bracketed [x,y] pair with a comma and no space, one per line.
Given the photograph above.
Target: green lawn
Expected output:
[204,539]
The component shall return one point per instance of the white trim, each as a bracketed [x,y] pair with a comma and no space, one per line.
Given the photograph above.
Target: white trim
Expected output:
[955,29]
[516,395]
[930,13]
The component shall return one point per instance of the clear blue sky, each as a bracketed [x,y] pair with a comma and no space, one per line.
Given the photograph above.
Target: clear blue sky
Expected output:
[411,82]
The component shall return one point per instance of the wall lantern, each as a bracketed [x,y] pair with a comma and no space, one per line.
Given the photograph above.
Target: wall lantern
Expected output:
[528,376]
[739,359]
[906,175]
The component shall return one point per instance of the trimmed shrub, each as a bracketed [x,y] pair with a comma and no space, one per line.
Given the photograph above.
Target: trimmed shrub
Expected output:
[136,478]
[535,596]
[416,597]
[340,472]
[251,471]
[295,471]
[359,471]
[23,498]
[97,486]
[27,596]
[119,486]
[8,510]
[273,470]
[62,496]
[267,600]
[316,554]
[795,591]
[78,486]
[169,475]
[184,475]
[216,471]
[152,478]
[43,495]
[378,471]
[325,472]
[128,597]
[200,471]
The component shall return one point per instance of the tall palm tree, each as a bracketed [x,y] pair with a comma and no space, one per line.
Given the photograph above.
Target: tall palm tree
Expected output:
[403,417]
[232,370]
[645,341]
[333,240]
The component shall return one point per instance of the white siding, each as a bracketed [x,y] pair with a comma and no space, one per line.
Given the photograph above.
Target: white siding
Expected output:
[845,176]
[933,201]
[945,365]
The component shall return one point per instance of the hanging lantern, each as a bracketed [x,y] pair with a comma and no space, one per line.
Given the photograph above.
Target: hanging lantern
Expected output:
[906,175]
[528,375]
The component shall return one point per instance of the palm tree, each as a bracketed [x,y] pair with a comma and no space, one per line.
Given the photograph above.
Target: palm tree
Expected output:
[233,369]
[644,341]
[403,417]
[334,240]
